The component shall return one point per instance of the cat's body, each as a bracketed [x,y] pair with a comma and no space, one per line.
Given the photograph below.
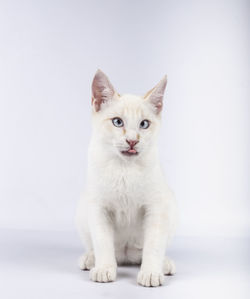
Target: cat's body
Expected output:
[127,213]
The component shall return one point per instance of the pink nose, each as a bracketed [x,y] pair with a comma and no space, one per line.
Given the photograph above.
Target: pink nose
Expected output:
[132,143]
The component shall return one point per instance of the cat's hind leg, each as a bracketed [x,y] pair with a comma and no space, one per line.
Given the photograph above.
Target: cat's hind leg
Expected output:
[87,260]
[168,266]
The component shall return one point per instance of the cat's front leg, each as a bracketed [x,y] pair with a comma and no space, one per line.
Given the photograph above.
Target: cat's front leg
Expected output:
[102,235]
[156,234]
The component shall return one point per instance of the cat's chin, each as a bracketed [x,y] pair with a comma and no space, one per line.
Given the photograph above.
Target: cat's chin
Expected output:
[129,153]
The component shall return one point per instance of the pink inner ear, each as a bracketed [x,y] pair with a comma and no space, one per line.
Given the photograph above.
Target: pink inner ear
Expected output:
[156,95]
[102,90]
[95,104]
[156,100]
[158,106]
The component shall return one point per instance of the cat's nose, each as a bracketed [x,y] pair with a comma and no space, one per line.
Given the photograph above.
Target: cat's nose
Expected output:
[132,143]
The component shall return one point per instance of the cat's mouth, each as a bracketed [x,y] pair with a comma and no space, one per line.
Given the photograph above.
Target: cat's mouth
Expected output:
[130,152]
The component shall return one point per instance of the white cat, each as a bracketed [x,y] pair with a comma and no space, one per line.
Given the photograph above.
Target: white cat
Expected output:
[128,213]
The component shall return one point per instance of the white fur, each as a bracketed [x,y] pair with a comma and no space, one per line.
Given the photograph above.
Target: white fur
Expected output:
[127,213]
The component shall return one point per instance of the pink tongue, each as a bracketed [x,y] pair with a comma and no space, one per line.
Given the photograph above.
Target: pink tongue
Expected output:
[132,151]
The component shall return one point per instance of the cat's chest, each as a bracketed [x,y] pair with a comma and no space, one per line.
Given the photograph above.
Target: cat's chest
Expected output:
[124,184]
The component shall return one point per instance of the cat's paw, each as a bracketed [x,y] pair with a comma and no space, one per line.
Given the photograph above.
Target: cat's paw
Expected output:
[150,279]
[103,274]
[87,261]
[169,267]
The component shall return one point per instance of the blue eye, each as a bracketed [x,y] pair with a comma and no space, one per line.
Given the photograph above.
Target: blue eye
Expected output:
[117,122]
[144,124]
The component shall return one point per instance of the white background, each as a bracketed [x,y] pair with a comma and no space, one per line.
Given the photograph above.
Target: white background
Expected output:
[49,52]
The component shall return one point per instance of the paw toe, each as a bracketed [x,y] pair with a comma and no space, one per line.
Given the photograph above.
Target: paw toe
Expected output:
[105,274]
[150,279]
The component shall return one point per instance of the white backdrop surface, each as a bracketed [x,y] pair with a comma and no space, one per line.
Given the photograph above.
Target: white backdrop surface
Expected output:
[49,52]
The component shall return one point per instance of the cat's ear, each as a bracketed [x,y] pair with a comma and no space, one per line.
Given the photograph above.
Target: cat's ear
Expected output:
[156,94]
[102,90]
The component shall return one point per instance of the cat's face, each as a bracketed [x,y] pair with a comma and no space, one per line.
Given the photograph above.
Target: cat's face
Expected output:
[126,125]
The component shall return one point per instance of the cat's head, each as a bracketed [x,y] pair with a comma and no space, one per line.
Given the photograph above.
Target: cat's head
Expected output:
[126,125]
